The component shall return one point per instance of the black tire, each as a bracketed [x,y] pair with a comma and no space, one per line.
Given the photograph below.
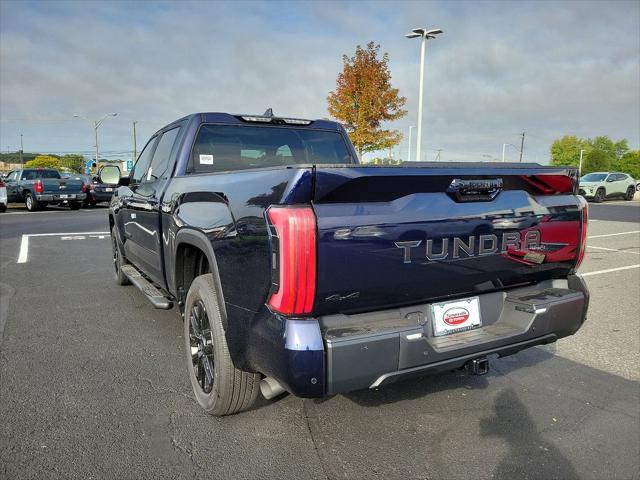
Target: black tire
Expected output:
[630,193]
[118,260]
[3,208]
[599,196]
[30,202]
[229,390]
[75,205]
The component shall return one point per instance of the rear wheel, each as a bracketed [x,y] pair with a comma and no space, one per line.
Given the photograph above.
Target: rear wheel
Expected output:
[75,205]
[599,197]
[630,193]
[3,208]
[30,202]
[118,261]
[219,387]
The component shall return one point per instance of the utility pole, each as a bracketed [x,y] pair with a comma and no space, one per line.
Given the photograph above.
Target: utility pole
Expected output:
[21,151]
[522,147]
[135,145]
[580,164]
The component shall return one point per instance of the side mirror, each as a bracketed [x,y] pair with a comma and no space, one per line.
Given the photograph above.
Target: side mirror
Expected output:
[109,174]
[610,179]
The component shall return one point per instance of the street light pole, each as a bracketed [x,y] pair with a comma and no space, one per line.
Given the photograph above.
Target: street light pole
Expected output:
[409,154]
[96,125]
[21,151]
[425,35]
[580,164]
[504,146]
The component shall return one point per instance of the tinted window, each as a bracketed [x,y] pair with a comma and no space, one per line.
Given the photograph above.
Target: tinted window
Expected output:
[160,162]
[13,176]
[620,177]
[225,147]
[142,165]
[35,174]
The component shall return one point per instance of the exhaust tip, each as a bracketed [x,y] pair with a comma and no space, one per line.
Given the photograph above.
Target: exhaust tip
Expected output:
[271,388]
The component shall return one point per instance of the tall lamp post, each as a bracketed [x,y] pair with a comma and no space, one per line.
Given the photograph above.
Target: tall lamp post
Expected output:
[580,164]
[95,124]
[409,153]
[505,145]
[425,35]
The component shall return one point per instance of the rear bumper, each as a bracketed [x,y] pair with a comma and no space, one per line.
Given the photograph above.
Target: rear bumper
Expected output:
[96,196]
[55,197]
[371,350]
[342,353]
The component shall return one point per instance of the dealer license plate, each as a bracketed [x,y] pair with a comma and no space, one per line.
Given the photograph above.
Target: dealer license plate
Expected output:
[64,196]
[108,189]
[458,316]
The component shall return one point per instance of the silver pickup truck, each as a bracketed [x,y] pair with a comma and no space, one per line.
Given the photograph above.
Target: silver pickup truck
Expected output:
[38,187]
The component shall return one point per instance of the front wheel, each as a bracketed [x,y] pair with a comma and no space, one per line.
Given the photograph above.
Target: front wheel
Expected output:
[630,193]
[599,197]
[31,203]
[75,205]
[219,387]
[118,262]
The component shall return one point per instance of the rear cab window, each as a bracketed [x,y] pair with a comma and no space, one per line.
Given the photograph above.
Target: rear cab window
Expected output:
[220,148]
[37,174]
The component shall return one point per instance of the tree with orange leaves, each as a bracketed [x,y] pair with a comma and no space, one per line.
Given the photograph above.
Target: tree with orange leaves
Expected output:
[364,98]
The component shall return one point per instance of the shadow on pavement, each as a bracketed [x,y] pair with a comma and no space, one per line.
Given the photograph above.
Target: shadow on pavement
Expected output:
[527,451]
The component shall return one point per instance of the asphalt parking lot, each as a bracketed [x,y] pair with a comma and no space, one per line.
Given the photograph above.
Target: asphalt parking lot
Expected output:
[93,383]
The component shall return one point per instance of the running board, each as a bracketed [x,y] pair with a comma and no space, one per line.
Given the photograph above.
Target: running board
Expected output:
[152,293]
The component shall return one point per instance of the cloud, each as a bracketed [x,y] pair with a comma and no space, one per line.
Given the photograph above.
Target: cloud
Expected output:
[500,68]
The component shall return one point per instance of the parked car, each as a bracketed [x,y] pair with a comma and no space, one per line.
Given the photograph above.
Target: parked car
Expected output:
[297,269]
[3,197]
[38,187]
[597,186]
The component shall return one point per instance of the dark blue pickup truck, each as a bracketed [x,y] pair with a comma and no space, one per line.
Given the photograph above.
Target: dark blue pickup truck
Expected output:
[295,268]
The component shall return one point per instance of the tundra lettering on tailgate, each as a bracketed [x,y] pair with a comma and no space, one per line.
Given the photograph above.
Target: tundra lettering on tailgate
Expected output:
[486,245]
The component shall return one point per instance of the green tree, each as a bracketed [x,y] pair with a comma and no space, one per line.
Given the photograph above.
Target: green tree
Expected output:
[44,161]
[566,151]
[596,161]
[629,163]
[364,98]
[74,162]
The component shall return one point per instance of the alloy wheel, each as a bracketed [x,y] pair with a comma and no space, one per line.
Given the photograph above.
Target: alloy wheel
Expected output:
[201,343]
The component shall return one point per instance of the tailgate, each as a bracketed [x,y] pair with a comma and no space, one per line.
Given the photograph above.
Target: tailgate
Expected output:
[62,186]
[401,235]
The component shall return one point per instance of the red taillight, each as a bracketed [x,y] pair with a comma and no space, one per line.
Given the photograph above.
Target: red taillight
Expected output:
[296,259]
[84,188]
[38,186]
[583,231]
[2,183]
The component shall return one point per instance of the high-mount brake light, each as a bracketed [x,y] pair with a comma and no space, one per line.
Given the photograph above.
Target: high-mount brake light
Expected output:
[39,188]
[584,206]
[294,246]
[296,121]
[257,119]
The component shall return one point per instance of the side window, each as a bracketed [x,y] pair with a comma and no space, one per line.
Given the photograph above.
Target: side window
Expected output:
[160,163]
[13,176]
[142,165]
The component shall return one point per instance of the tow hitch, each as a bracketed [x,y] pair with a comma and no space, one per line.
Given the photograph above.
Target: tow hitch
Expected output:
[478,366]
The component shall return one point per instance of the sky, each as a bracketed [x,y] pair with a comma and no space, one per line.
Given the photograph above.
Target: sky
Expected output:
[500,68]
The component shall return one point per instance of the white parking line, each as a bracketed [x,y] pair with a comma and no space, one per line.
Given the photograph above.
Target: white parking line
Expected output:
[609,270]
[614,234]
[613,250]
[23,256]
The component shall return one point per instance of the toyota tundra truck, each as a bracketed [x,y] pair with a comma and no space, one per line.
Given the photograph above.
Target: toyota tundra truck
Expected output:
[295,268]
